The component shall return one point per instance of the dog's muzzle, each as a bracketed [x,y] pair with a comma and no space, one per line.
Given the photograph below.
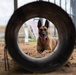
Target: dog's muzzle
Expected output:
[43,35]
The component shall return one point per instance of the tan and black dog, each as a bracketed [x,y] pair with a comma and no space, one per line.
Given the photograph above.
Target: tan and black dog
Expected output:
[45,41]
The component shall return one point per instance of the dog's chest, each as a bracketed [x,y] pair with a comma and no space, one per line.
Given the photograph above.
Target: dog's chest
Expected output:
[46,45]
[49,44]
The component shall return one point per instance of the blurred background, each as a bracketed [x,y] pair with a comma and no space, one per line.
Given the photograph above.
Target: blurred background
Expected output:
[29,31]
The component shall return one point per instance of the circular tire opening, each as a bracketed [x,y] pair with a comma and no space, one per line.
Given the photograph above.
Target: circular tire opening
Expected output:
[65,28]
[29,34]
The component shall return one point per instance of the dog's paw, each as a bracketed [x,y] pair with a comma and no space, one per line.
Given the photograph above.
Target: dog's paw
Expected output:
[40,51]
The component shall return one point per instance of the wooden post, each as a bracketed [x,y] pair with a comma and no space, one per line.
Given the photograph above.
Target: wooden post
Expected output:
[15,5]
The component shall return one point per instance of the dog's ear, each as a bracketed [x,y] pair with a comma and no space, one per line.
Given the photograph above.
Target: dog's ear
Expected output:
[39,24]
[47,23]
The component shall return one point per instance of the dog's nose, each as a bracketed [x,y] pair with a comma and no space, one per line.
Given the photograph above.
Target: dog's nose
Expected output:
[43,33]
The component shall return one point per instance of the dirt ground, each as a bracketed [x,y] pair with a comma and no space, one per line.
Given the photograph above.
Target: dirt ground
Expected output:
[30,49]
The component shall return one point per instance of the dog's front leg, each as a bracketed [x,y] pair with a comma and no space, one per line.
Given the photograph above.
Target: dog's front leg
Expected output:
[39,49]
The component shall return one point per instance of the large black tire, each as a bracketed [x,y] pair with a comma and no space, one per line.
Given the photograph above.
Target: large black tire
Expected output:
[64,25]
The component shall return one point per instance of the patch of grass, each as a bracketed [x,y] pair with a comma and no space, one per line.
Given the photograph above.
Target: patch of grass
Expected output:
[2,40]
[32,42]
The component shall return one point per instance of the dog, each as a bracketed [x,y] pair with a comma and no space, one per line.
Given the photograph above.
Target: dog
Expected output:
[45,41]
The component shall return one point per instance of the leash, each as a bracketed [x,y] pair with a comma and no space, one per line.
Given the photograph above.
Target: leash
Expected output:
[6,62]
